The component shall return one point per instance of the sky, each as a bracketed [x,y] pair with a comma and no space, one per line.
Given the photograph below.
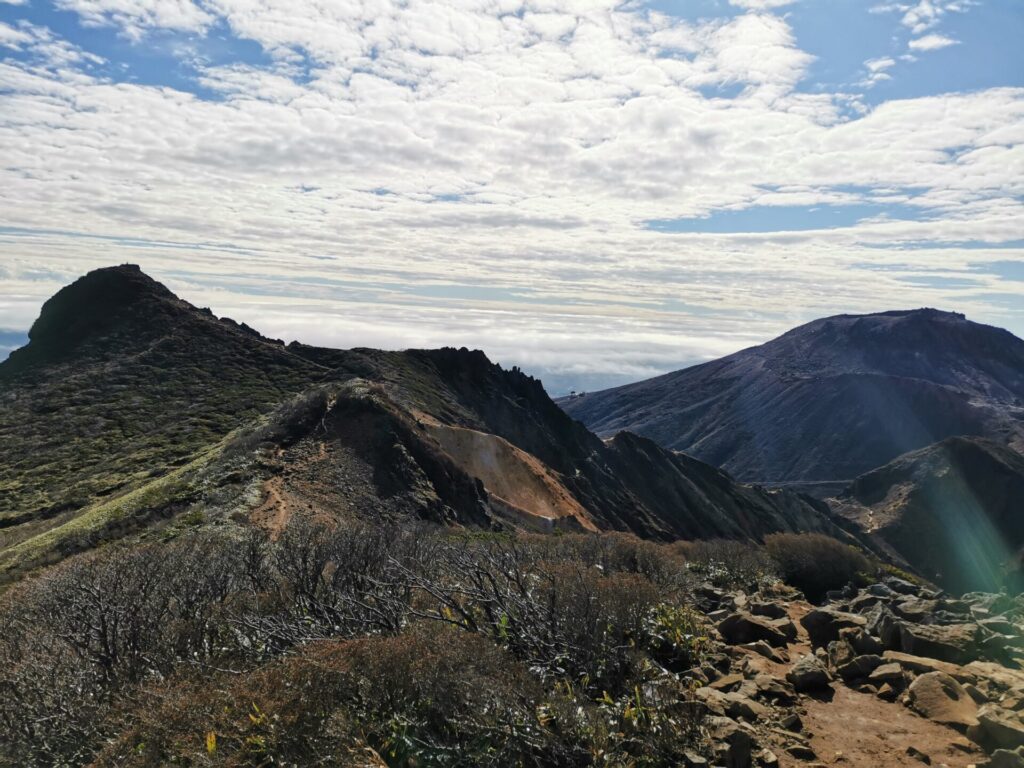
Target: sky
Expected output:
[596,191]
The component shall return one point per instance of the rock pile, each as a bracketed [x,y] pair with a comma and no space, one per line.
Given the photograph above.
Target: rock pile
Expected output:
[958,662]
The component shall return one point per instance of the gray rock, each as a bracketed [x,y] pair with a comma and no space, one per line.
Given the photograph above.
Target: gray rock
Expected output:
[863,643]
[739,706]
[880,590]
[915,609]
[802,752]
[940,698]
[902,586]
[773,689]
[809,674]
[742,627]
[733,744]
[891,673]
[859,667]
[1004,758]
[792,722]
[824,624]
[917,754]
[998,728]
[761,648]
[956,643]
[771,610]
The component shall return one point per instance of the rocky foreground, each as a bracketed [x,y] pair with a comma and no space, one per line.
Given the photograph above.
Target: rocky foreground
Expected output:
[890,675]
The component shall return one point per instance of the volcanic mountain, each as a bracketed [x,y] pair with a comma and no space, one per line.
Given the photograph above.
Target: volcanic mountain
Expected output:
[131,410]
[952,510]
[831,399]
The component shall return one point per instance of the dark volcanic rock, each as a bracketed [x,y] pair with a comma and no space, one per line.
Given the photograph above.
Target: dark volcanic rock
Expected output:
[824,624]
[808,674]
[740,628]
[939,697]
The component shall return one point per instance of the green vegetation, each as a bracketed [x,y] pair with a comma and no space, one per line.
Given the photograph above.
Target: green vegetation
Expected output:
[814,563]
[400,646]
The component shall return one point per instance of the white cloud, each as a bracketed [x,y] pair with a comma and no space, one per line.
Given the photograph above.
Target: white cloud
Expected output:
[932,43]
[134,17]
[876,70]
[761,5]
[477,172]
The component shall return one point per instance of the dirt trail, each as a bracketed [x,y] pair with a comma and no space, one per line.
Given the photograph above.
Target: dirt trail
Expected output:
[859,730]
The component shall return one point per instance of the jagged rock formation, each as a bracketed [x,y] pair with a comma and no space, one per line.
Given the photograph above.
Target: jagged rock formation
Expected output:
[951,510]
[130,406]
[829,400]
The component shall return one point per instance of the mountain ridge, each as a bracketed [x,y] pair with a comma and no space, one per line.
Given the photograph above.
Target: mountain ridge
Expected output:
[831,399]
[135,419]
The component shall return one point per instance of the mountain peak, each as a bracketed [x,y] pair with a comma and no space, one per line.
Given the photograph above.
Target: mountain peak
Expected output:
[93,305]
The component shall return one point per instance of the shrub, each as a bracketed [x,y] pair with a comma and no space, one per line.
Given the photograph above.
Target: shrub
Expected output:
[729,564]
[430,697]
[815,563]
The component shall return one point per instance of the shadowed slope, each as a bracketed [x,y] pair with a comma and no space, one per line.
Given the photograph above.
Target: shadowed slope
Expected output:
[953,510]
[831,399]
[120,381]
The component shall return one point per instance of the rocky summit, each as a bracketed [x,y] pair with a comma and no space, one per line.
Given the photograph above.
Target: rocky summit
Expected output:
[829,400]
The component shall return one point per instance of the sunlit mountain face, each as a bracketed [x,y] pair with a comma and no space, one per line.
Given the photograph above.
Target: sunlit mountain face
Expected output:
[596,191]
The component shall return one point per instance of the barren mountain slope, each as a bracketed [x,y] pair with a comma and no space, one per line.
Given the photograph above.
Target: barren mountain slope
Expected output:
[829,400]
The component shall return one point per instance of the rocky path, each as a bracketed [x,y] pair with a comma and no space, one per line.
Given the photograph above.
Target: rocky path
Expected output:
[893,675]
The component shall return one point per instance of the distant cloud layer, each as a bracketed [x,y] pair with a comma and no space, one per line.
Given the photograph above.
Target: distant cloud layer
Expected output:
[486,172]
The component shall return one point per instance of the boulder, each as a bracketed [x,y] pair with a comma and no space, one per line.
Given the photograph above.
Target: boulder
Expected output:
[956,643]
[727,682]
[713,701]
[859,667]
[761,648]
[742,627]
[922,664]
[888,673]
[915,609]
[998,728]
[739,706]
[902,586]
[940,698]
[862,642]
[733,744]
[786,626]
[771,610]
[1004,758]
[773,689]
[809,674]
[880,590]
[864,602]
[997,675]
[824,624]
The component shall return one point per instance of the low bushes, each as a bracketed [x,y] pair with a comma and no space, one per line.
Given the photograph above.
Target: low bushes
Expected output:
[416,645]
[729,564]
[815,563]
